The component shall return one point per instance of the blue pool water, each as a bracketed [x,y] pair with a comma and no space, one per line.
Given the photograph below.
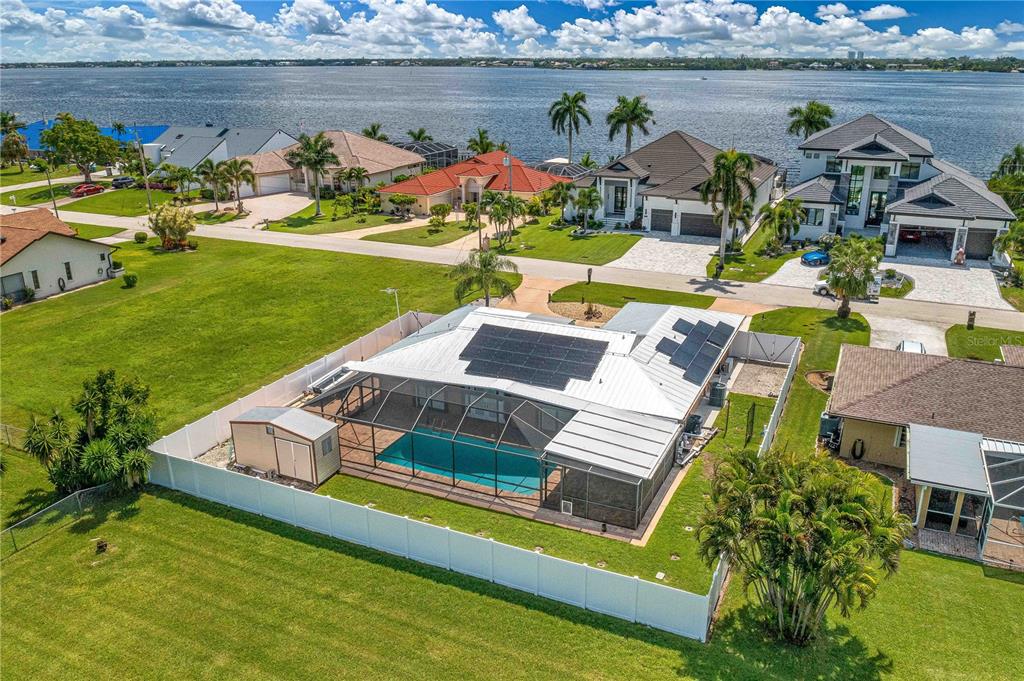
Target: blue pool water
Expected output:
[474,460]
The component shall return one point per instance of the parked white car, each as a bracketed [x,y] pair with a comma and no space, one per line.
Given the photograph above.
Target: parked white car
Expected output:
[913,346]
[821,288]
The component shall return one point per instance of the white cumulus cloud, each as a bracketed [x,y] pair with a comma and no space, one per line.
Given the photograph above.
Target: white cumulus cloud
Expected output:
[518,24]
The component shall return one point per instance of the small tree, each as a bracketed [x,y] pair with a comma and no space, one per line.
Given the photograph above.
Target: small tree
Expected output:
[441,211]
[80,143]
[13,149]
[586,201]
[852,270]
[806,532]
[481,271]
[561,195]
[235,172]
[782,220]
[403,202]
[209,175]
[172,225]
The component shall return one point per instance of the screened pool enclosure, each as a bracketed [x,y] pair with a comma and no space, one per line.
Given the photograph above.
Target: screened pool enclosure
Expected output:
[481,441]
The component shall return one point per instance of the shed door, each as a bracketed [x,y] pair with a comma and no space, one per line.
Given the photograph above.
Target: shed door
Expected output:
[294,460]
[661,220]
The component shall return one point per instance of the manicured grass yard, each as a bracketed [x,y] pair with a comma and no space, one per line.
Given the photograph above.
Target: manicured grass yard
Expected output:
[822,334]
[130,202]
[303,222]
[901,292]
[94,231]
[980,343]
[205,327]
[616,295]
[209,217]
[425,235]
[1014,296]
[11,175]
[751,265]
[24,488]
[545,240]
[33,196]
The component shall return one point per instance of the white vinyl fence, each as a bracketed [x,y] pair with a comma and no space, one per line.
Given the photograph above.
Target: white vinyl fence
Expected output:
[780,403]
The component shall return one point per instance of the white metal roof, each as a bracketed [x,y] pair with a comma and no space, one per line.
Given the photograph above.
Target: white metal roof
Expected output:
[941,457]
[296,421]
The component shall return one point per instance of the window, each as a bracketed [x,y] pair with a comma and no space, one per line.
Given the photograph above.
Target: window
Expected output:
[326,445]
[67,270]
[35,279]
[815,216]
[856,190]
[880,173]
[103,257]
[833,165]
[900,440]
[270,430]
[910,171]
[807,154]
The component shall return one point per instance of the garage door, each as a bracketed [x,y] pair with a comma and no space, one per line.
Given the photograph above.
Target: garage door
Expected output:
[293,460]
[698,225]
[661,220]
[273,184]
[979,243]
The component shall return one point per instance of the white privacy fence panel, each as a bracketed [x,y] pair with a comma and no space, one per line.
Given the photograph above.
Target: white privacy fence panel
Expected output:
[780,404]
[625,597]
[764,347]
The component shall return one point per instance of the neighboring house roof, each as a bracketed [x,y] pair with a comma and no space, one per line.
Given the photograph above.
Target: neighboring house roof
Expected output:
[239,141]
[490,165]
[296,421]
[563,169]
[888,386]
[955,193]
[820,189]
[874,147]
[20,230]
[1013,354]
[674,166]
[146,133]
[190,151]
[268,163]
[358,151]
[842,136]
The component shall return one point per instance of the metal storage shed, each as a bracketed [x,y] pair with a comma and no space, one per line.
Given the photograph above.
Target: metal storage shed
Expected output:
[291,442]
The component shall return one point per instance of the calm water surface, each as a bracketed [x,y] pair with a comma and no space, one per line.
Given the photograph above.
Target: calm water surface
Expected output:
[971,118]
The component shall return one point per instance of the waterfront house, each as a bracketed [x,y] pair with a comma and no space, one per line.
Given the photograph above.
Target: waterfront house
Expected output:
[40,252]
[187,147]
[435,154]
[467,180]
[659,185]
[952,428]
[872,177]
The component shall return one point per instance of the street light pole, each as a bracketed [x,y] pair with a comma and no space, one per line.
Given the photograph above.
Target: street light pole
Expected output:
[398,311]
[142,161]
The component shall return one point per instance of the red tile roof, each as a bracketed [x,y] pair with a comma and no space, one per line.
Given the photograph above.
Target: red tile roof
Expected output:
[19,230]
[525,179]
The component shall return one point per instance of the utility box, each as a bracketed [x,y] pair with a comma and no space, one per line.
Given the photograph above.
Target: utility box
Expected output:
[291,442]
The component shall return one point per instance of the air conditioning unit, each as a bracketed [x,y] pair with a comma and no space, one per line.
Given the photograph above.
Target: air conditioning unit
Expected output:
[566,507]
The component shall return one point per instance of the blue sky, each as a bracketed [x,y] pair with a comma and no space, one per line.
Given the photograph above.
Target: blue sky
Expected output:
[41,30]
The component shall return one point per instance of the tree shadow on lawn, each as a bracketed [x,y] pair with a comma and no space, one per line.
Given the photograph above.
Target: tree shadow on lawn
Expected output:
[719,286]
[32,501]
[739,648]
[848,325]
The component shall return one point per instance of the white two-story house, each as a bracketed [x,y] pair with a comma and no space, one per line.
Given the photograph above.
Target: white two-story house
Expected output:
[658,185]
[875,178]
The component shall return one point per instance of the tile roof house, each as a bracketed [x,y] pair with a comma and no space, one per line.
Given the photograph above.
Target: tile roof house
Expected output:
[660,182]
[953,426]
[188,146]
[42,253]
[873,177]
[467,181]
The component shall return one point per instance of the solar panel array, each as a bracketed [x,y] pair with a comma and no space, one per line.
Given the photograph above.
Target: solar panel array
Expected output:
[699,351]
[546,360]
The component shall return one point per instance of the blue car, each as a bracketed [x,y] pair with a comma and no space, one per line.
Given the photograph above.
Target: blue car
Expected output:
[815,259]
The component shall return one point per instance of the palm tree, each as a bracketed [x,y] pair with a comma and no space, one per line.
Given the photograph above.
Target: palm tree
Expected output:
[1012,163]
[9,122]
[587,200]
[729,185]
[209,175]
[373,131]
[852,270]
[314,154]
[740,214]
[809,119]
[100,461]
[566,114]
[185,178]
[471,209]
[587,162]
[420,135]
[121,130]
[783,219]
[481,143]
[561,195]
[629,114]
[481,271]
[235,172]
[503,145]
[14,149]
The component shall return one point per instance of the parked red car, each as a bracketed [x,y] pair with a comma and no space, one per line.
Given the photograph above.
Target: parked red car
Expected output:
[910,236]
[85,190]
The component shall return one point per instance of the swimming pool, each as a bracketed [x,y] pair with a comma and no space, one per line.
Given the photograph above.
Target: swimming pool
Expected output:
[473,460]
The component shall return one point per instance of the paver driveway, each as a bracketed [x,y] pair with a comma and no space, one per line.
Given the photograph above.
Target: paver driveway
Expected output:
[793,273]
[675,255]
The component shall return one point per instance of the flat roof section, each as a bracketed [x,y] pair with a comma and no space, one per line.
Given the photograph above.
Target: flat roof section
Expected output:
[940,457]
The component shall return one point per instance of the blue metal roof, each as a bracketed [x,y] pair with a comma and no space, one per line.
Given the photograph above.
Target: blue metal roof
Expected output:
[147,133]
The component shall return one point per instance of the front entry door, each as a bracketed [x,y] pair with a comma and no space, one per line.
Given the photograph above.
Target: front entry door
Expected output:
[876,208]
[619,200]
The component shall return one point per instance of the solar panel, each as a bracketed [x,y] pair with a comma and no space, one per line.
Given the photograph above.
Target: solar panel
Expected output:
[720,336]
[682,326]
[702,364]
[685,353]
[667,346]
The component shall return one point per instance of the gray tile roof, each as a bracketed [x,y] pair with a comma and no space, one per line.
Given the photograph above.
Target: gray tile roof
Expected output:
[820,189]
[845,134]
[952,193]
[874,147]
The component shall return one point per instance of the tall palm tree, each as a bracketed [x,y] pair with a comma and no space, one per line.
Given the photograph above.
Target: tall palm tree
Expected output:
[1012,163]
[729,185]
[471,209]
[561,195]
[814,117]
[586,201]
[185,178]
[566,114]
[783,219]
[481,271]
[420,135]
[852,270]
[209,175]
[740,214]
[374,132]
[121,130]
[481,143]
[629,114]
[235,172]
[587,162]
[9,122]
[314,154]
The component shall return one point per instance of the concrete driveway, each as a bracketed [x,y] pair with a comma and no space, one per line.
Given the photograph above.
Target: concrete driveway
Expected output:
[793,273]
[887,332]
[938,281]
[670,254]
[270,207]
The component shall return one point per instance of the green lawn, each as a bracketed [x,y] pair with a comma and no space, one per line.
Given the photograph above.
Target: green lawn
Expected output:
[981,343]
[130,202]
[24,488]
[209,217]
[94,231]
[750,264]
[425,235]
[1014,296]
[822,334]
[11,175]
[892,292]
[33,196]
[547,241]
[303,222]
[205,327]
[616,295]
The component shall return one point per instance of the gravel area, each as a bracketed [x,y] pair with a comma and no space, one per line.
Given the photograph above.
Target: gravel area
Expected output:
[759,379]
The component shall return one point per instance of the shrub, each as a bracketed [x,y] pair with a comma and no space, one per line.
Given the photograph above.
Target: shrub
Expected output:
[206,194]
[829,240]
[30,294]
[890,273]
[116,264]
[6,303]
[141,237]
[193,244]
[327,193]
[130,280]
